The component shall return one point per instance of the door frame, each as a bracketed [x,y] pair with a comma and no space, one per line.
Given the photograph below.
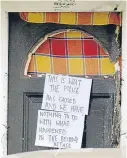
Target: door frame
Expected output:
[36,6]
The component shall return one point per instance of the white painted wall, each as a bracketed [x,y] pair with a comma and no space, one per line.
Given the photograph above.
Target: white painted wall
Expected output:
[43,6]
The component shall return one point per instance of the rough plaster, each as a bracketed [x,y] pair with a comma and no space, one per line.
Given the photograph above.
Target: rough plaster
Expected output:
[116,113]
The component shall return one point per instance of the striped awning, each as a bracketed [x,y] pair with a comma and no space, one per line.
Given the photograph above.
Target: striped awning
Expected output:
[73,18]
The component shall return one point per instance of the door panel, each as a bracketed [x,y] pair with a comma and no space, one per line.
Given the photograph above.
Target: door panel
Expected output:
[25,94]
[98,123]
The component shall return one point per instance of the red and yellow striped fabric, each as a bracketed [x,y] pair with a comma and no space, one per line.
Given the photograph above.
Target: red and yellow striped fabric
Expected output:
[68,52]
[73,18]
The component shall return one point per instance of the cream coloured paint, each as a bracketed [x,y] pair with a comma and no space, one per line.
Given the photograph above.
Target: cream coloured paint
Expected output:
[43,6]
[80,153]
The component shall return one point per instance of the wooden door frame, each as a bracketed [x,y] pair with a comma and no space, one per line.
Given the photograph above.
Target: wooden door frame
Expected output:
[36,6]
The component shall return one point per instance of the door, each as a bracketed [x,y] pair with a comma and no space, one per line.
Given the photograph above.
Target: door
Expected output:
[25,94]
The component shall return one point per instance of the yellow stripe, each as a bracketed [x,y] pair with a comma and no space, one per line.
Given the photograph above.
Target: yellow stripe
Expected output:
[36,17]
[100,18]
[68,18]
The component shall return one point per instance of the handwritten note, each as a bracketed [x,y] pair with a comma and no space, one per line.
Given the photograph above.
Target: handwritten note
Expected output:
[59,130]
[64,106]
[67,94]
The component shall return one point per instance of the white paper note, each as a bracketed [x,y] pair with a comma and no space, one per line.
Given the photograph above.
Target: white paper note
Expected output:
[59,129]
[64,106]
[67,94]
